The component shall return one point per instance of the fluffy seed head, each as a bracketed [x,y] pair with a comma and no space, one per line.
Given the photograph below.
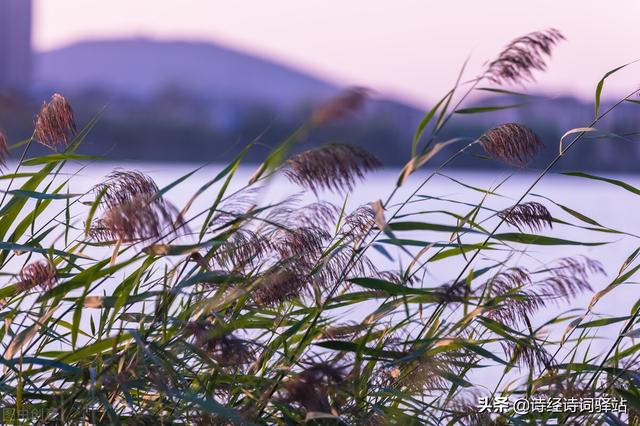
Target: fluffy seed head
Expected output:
[346,103]
[510,298]
[304,243]
[122,186]
[136,220]
[55,124]
[320,214]
[243,249]
[41,274]
[512,143]
[570,277]
[522,56]
[530,215]
[333,167]
[359,223]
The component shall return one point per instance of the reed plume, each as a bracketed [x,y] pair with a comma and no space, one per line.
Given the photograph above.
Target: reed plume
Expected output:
[342,264]
[358,223]
[41,274]
[243,249]
[511,301]
[234,208]
[122,186]
[581,266]
[333,167]
[532,215]
[320,214]
[55,124]
[136,220]
[512,143]
[341,106]
[304,243]
[511,279]
[133,209]
[517,294]
[568,277]
[565,284]
[516,63]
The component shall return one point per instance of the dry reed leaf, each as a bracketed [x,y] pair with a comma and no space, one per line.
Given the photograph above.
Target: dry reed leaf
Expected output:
[416,162]
[93,302]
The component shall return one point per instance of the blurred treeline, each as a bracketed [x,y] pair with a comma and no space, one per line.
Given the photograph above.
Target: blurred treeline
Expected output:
[174,126]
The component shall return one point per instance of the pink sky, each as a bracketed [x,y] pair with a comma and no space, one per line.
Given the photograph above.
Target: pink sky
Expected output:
[408,48]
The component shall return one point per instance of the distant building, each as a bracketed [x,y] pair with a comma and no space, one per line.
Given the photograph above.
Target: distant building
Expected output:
[15,45]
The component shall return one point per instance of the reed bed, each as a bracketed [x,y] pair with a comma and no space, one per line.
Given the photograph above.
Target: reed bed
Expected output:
[120,307]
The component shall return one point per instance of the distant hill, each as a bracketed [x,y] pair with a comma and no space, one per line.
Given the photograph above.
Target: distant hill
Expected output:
[143,67]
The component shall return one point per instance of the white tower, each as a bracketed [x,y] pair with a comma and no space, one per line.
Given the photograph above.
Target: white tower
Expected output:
[15,45]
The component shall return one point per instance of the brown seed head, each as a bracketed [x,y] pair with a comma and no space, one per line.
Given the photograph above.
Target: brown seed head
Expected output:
[55,124]
[122,186]
[320,214]
[243,249]
[522,56]
[569,277]
[333,167]
[511,299]
[530,215]
[41,274]
[359,223]
[136,220]
[346,103]
[304,243]
[512,143]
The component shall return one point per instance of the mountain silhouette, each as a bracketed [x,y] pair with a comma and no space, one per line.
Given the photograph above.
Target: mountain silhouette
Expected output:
[143,67]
